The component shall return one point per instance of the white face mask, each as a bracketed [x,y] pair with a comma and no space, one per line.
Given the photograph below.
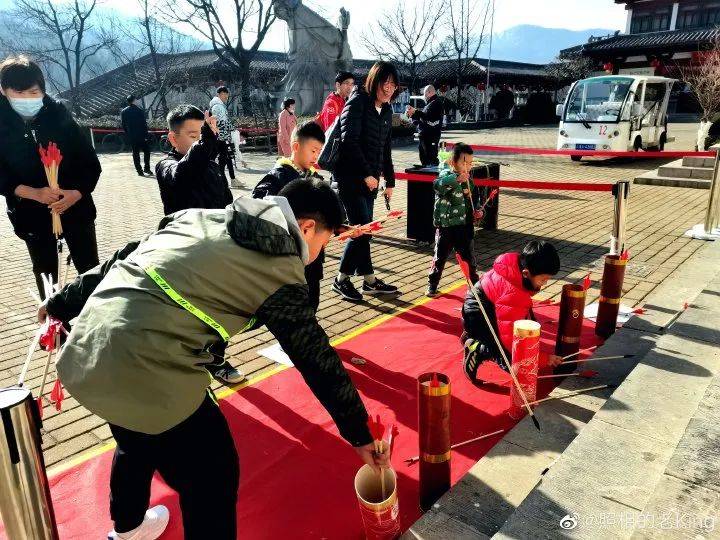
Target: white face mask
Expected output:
[26,107]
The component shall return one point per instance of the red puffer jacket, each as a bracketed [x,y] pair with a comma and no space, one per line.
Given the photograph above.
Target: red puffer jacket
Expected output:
[503,287]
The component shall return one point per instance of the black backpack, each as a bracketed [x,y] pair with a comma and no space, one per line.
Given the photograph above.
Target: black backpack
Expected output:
[328,158]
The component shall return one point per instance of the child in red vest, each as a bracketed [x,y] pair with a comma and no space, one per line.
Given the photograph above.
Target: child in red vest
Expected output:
[506,293]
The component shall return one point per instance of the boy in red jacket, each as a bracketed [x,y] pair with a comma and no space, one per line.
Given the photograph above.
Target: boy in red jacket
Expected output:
[506,293]
[335,101]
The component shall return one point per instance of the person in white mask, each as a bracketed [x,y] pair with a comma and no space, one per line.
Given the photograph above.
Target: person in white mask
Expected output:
[29,119]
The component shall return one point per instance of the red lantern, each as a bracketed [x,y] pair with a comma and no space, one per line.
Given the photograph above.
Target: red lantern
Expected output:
[608,67]
[481,86]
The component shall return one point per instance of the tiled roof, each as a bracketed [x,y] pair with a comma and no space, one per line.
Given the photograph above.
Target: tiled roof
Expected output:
[667,40]
[106,94]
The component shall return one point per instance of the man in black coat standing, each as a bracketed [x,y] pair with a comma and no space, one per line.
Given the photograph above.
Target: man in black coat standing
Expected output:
[135,127]
[429,122]
[29,119]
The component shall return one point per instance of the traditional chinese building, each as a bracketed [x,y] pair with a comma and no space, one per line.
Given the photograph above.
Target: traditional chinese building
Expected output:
[659,35]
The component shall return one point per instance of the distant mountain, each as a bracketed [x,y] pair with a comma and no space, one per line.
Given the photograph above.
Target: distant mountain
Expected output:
[537,44]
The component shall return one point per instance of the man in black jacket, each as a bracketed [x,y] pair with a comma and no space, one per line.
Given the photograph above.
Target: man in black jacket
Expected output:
[28,119]
[189,177]
[429,121]
[136,129]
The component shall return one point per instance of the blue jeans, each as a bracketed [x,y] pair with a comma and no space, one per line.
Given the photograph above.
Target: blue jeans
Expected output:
[356,258]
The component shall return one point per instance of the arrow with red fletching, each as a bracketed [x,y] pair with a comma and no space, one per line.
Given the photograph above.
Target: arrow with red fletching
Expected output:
[586,282]
[369,228]
[466,272]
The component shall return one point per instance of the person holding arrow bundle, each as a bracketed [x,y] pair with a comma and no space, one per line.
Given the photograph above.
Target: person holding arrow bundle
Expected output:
[31,120]
[454,215]
[506,294]
[146,321]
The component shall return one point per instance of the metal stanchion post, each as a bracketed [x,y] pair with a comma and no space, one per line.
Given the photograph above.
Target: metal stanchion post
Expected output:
[708,229]
[621,190]
[25,504]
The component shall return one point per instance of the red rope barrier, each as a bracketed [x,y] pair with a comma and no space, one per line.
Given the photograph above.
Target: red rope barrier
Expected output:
[526,184]
[589,153]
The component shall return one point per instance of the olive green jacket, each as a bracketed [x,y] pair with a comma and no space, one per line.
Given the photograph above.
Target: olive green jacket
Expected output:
[137,358]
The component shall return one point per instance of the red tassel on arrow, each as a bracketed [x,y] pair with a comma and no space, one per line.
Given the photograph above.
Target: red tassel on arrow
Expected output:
[586,282]
[434,383]
[464,267]
[625,255]
[39,406]
[377,430]
[57,395]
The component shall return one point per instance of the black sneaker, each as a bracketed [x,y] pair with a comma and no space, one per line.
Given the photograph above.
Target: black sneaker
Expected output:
[378,287]
[347,290]
[471,362]
[431,291]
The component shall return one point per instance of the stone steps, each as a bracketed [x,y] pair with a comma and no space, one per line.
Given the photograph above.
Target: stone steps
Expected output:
[689,172]
[599,452]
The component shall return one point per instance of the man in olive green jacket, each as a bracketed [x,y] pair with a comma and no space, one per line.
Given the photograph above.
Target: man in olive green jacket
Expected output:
[147,321]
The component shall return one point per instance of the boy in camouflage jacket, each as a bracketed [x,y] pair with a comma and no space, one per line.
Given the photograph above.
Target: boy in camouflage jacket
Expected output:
[453,215]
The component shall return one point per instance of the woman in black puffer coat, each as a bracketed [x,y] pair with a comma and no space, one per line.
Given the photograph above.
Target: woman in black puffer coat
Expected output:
[366,125]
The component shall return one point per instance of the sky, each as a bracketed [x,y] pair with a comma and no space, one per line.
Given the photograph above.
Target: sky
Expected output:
[568,14]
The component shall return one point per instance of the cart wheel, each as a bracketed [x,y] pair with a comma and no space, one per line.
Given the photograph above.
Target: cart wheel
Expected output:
[637,145]
[576,158]
[663,140]
[112,143]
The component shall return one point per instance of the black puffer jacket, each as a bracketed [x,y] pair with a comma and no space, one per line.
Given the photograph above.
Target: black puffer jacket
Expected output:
[366,137]
[429,119]
[20,165]
[193,180]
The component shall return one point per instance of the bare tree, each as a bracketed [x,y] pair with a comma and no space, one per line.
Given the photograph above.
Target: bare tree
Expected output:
[466,20]
[567,70]
[145,36]
[236,29]
[703,76]
[408,35]
[58,34]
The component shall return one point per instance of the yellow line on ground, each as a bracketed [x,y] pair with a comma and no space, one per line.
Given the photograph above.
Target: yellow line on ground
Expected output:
[93,452]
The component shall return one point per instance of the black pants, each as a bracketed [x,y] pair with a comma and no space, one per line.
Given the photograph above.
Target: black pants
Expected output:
[42,247]
[429,151]
[196,458]
[136,147]
[356,258]
[313,275]
[225,159]
[458,237]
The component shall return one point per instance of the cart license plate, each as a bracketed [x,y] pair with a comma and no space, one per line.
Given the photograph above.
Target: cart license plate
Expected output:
[584,147]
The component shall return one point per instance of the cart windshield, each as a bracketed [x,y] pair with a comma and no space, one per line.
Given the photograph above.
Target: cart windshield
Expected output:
[597,100]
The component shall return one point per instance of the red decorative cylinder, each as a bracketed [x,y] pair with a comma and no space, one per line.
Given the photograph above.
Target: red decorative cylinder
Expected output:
[434,435]
[380,512]
[525,353]
[610,295]
[572,305]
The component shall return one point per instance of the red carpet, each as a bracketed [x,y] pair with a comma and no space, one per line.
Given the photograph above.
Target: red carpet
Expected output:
[296,472]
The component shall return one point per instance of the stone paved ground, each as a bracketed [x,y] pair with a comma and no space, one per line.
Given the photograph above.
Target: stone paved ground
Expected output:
[579,223]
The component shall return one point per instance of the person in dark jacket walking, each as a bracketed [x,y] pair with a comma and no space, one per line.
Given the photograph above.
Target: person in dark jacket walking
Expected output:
[135,127]
[29,118]
[364,154]
[429,121]
[189,177]
[243,267]
[306,142]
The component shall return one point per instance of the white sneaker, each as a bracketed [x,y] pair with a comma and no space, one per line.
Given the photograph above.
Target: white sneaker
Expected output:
[154,524]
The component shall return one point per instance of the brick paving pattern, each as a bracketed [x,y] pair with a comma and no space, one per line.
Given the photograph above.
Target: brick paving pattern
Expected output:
[579,223]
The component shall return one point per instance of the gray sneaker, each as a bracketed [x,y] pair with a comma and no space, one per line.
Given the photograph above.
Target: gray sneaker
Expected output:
[228,375]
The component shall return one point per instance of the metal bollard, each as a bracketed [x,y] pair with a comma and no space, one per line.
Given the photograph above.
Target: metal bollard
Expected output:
[621,191]
[25,503]
[711,213]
